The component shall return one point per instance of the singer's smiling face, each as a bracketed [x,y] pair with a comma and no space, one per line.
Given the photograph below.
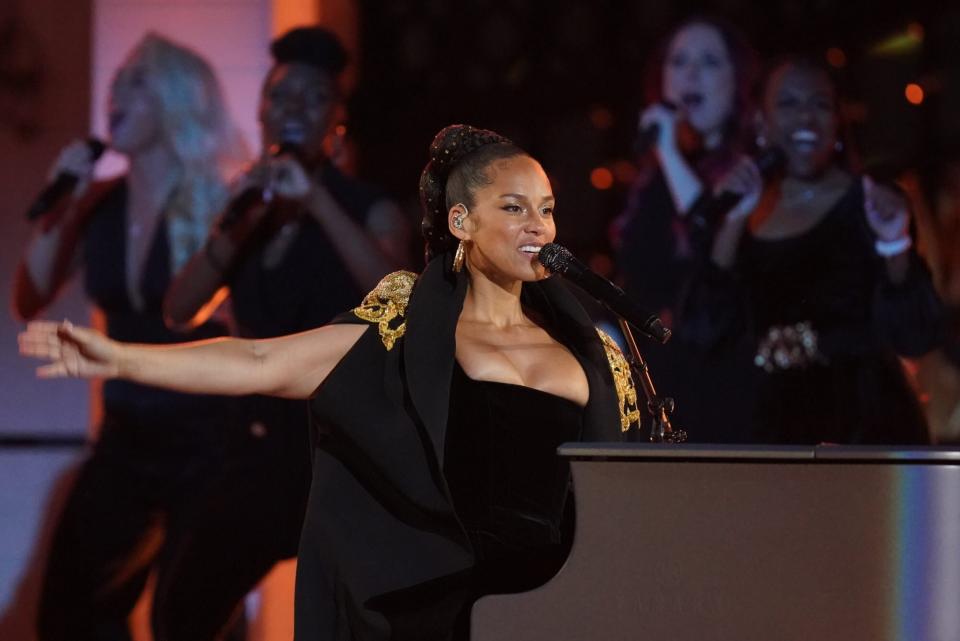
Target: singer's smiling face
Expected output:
[134,112]
[510,220]
[297,106]
[698,77]
[800,115]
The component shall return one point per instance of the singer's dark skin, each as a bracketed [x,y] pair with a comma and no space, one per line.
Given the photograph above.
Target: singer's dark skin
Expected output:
[800,116]
[298,103]
[509,219]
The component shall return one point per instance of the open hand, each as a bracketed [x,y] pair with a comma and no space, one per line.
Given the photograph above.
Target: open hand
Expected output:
[665,120]
[73,352]
[887,211]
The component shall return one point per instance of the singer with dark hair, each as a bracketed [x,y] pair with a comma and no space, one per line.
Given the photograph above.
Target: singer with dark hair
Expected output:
[820,267]
[696,123]
[289,265]
[141,495]
[437,406]
[323,239]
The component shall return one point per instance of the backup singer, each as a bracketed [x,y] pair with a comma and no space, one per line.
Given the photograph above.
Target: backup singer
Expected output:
[705,70]
[290,267]
[821,267]
[140,502]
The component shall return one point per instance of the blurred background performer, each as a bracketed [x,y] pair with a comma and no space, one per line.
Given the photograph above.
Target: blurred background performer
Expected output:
[133,509]
[290,265]
[822,265]
[324,239]
[697,122]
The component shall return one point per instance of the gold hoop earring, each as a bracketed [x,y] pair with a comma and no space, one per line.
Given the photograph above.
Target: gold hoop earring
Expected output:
[458,257]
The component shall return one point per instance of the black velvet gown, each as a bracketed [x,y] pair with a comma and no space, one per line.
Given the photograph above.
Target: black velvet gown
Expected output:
[831,278]
[430,489]
[509,487]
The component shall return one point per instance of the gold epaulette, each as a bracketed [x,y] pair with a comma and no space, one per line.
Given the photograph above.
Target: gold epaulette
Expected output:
[623,381]
[386,306]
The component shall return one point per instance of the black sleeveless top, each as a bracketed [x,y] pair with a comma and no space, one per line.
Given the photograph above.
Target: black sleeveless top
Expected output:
[105,258]
[508,485]
[311,283]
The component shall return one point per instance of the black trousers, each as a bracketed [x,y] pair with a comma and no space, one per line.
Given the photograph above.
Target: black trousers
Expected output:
[209,515]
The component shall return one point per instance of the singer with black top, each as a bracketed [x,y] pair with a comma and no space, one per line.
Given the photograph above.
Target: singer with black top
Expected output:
[698,86]
[145,498]
[819,266]
[437,405]
[299,243]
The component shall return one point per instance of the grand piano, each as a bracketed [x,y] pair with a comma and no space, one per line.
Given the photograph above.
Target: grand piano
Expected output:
[690,542]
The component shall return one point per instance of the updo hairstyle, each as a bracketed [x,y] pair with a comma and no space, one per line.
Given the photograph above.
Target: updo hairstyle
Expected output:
[459,158]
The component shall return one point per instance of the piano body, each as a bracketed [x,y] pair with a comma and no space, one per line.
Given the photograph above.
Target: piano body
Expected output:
[689,542]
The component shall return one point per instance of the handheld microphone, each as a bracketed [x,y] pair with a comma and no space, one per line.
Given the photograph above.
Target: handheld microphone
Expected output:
[256,195]
[707,209]
[62,184]
[647,137]
[558,259]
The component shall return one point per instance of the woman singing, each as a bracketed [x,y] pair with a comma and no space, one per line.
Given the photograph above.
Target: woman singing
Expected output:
[699,110]
[132,510]
[437,406]
[822,266]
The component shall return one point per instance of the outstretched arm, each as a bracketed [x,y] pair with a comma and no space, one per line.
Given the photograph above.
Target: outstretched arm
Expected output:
[290,366]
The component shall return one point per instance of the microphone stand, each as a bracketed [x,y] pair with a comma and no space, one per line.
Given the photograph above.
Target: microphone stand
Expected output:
[658,407]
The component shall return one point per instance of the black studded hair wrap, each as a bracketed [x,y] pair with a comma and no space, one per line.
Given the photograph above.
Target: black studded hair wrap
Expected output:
[314,46]
[448,149]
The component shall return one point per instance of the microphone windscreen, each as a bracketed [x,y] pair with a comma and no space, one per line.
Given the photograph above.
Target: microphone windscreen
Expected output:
[555,257]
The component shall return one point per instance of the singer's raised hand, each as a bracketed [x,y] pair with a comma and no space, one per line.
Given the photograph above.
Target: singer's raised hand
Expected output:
[665,120]
[743,178]
[72,352]
[75,159]
[288,179]
[887,211]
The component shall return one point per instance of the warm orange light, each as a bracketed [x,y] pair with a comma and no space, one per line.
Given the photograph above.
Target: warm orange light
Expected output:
[914,93]
[288,14]
[836,57]
[601,178]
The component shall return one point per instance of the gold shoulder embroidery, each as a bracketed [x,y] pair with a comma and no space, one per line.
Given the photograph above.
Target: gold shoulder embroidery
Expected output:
[623,381]
[386,306]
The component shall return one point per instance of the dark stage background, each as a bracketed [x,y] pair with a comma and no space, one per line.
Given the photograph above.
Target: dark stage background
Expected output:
[564,78]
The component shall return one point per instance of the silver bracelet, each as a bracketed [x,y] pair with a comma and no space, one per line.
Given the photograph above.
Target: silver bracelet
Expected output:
[889,248]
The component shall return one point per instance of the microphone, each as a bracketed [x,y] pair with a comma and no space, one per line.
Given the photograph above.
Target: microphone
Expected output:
[707,209]
[559,260]
[255,195]
[647,137]
[62,184]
